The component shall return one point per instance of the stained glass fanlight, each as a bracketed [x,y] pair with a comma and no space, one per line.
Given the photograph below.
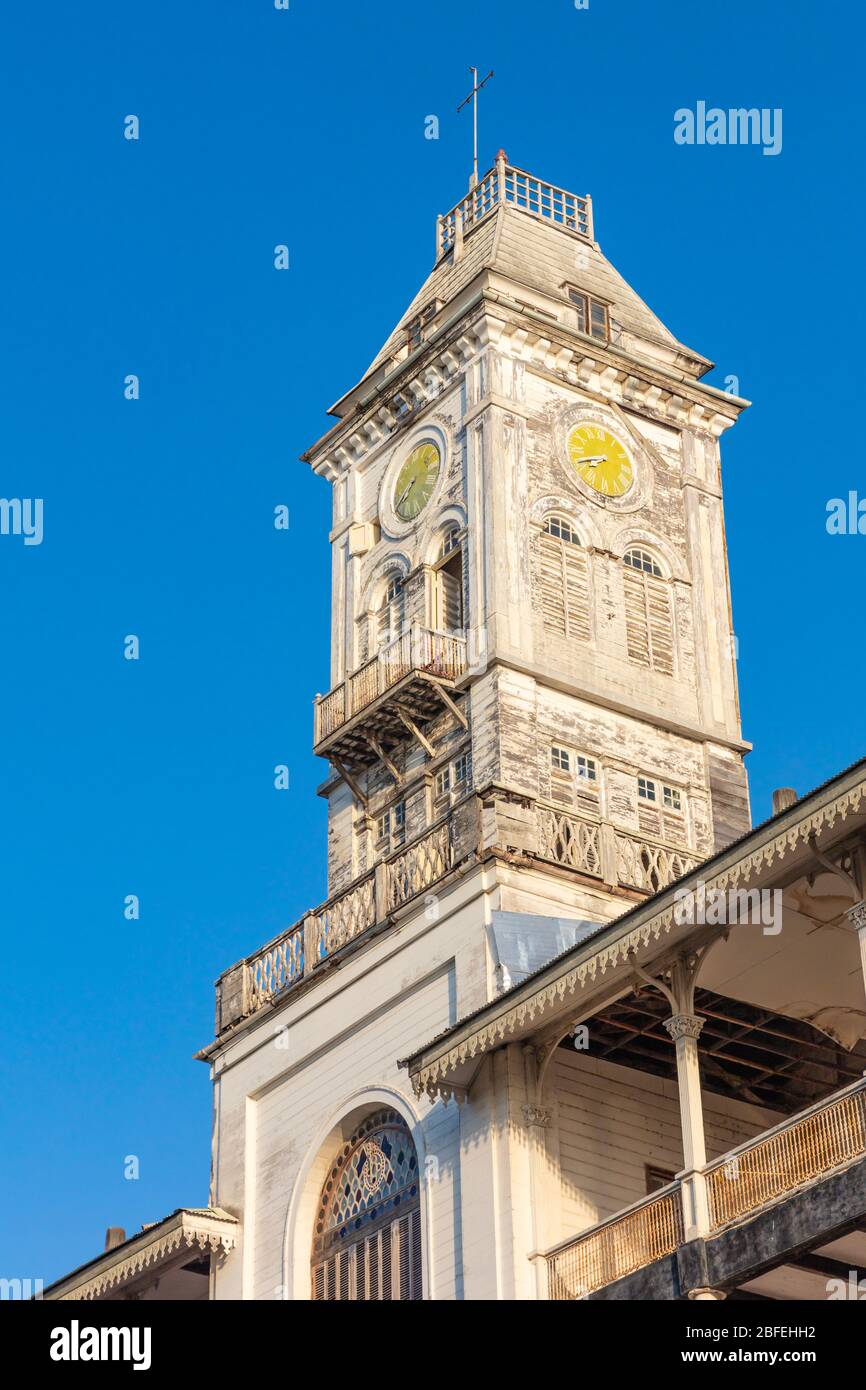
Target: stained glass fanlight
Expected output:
[367,1238]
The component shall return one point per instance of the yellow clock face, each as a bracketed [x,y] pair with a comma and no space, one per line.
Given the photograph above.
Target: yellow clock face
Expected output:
[416,481]
[599,458]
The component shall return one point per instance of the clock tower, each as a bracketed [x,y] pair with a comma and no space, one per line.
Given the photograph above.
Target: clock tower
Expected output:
[532,649]
[531,728]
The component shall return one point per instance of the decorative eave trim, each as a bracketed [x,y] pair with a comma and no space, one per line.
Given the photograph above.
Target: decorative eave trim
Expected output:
[430,1078]
[489,316]
[211,1230]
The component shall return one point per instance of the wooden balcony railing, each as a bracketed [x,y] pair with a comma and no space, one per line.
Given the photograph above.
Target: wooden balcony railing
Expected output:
[570,840]
[596,848]
[262,978]
[828,1136]
[797,1152]
[649,865]
[438,654]
[633,1238]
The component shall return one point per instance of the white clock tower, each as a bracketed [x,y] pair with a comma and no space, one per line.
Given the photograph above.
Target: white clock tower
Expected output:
[531,727]
[530,591]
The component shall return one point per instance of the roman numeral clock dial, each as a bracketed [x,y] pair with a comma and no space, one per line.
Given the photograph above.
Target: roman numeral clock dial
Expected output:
[416,481]
[600,460]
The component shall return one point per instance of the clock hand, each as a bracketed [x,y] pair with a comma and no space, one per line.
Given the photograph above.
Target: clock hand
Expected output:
[595,459]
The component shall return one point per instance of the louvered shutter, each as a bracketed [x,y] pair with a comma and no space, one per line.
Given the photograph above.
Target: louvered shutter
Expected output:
[374,1282]
[649,819]
[576,580]
[385,1264]
[403,1234]
[636,622]
[649,621]
[562,786]
[661,627]
[553,608]
[450,602]
[417,1282]
[344,1258]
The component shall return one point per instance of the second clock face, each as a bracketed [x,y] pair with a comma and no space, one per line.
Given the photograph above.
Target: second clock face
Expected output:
[416,480]
[599,458]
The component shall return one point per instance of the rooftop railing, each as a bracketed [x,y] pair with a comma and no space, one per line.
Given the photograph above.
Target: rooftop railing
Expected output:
[505,184]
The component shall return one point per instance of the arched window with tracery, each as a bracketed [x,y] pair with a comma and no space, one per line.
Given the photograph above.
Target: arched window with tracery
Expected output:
[649,622]
[564,580]
[367,1239]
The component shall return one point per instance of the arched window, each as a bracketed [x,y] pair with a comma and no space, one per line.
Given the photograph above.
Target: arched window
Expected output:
[564,576]
[389,618]
[447,593]
[367,1241]
[649,623]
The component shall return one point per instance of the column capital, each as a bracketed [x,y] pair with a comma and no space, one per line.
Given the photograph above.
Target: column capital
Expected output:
[684,1026]
[536,1115]
[857,916]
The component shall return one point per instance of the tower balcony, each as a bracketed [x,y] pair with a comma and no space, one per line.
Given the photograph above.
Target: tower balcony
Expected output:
[394,694]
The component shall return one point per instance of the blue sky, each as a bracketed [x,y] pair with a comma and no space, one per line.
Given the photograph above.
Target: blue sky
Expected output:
[155,257]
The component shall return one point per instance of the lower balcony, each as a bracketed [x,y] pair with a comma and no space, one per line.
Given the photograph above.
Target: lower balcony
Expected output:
[266,976]
[391,696]
[806,1176]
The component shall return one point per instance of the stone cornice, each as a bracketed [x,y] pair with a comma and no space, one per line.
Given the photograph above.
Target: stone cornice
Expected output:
[604,370]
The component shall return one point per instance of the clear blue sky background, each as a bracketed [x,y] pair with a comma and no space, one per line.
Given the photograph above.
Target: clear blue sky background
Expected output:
[257,127]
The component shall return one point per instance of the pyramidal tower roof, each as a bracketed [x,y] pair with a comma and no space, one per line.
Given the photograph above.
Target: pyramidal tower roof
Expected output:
[518,235]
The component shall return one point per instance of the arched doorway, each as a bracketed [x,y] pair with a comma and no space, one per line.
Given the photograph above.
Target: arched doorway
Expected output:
[367,1237]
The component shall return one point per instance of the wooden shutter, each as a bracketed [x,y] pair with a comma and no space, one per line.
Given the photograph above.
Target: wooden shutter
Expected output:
[649,621]
[661,625]
[385,1260]
[449,616]
[417,1281]
[390,619]
[576,576]
[552,587]
[562,786]
[564,588]
[636,624]
[407,1239]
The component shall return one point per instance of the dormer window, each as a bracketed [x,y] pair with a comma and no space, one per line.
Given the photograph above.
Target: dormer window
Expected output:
[416,326]
[592,314]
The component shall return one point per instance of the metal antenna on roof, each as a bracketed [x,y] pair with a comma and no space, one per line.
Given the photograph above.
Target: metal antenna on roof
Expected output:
[473,97]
